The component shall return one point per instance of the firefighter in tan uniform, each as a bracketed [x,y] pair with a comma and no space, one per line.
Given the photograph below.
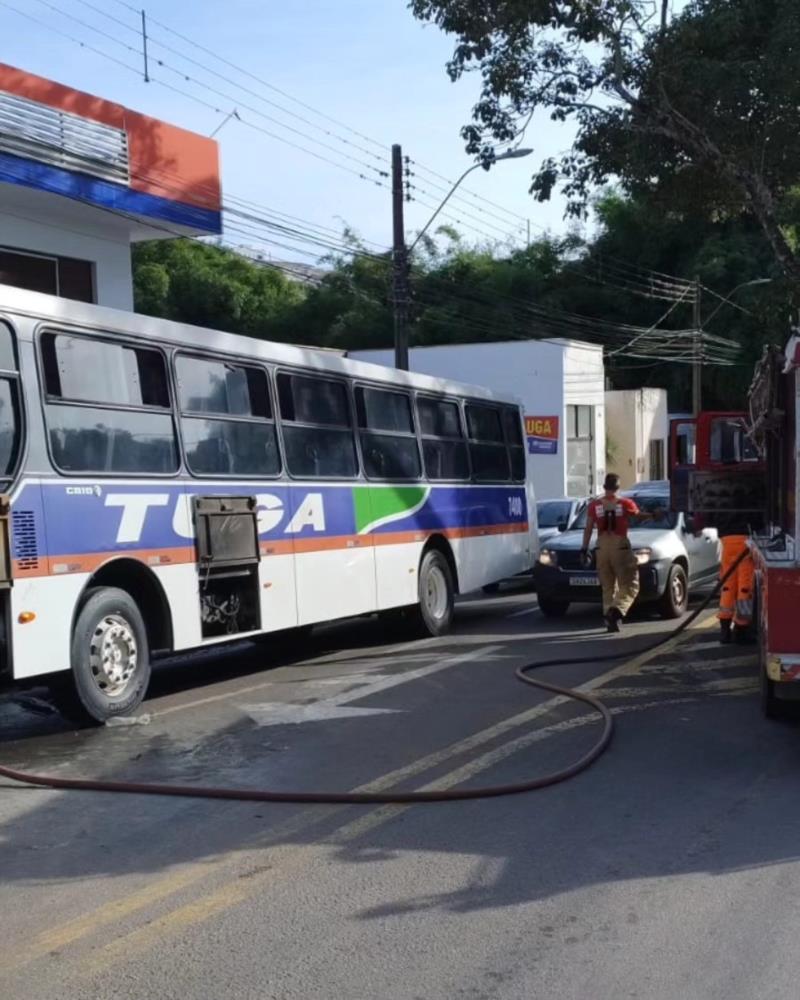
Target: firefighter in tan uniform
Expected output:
[616,563]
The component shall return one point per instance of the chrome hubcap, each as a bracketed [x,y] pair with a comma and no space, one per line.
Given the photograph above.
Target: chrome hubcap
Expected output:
[436,593]
[678,591]
[113,655]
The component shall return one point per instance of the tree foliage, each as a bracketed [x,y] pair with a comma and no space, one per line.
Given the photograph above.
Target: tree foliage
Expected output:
[210,286]
[702,108]
[463,293]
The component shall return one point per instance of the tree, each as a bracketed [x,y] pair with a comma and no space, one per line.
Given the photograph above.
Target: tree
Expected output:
[210,286]
[702,107]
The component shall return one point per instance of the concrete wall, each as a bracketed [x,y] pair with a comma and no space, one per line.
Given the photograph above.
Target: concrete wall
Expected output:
[110,254]
[635,417]
[584,383]
[543,375]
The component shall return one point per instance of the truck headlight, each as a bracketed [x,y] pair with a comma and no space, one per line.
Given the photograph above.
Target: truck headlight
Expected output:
[547,557]
[643,556]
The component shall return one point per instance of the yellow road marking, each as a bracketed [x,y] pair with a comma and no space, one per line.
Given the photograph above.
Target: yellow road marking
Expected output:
[190,915]
[59,937]
[235,892]
[141,939]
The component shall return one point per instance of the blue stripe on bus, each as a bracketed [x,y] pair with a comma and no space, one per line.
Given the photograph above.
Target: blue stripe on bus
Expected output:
[73,519]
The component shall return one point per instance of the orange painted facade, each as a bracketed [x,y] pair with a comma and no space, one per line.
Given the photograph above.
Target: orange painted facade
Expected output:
[165,161]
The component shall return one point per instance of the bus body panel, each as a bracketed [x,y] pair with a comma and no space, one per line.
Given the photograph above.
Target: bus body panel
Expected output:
[327,549]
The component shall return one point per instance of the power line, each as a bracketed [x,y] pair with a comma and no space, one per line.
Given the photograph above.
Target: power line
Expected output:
[468,191]
[248,90]
[252,76]
[177,90]
[308,107]
[504,231]
[521,221]
[220,93]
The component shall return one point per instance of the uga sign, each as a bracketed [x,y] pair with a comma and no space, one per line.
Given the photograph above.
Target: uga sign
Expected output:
[542,435]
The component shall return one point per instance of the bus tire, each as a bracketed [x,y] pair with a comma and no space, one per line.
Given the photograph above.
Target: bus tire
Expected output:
[110,658]
[436,594]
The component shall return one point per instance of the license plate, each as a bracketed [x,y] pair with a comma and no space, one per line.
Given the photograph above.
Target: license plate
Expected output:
[584,581]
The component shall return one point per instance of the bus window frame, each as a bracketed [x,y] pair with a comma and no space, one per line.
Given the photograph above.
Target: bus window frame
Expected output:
[45,399]
[347,381]
[357,384]
[20,401]
[204,355]
[498,407]
[517,409]
[458,401]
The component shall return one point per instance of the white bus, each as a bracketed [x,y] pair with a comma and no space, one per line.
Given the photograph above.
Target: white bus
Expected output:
[167,487]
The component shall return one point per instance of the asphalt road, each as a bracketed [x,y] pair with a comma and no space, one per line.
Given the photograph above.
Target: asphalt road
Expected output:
[667,870]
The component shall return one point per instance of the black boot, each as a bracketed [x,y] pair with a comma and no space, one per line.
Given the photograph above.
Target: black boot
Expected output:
[743,635]
[725,631]
[613,618]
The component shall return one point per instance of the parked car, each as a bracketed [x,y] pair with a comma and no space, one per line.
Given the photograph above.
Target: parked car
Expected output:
[674,559]
[555,516]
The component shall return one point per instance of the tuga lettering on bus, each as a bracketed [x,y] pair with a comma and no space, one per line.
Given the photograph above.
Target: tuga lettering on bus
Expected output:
[135,507]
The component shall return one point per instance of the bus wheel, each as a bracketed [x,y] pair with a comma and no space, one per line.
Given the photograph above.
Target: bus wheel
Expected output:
[110,657]
[436,594]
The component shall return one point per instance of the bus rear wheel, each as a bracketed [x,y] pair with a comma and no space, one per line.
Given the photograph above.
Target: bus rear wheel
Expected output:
[436,594]
[110,658]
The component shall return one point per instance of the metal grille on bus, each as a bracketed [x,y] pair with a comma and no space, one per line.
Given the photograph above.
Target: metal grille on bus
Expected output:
[26,544]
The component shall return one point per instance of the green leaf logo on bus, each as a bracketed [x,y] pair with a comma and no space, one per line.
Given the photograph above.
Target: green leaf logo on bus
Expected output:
[375,506]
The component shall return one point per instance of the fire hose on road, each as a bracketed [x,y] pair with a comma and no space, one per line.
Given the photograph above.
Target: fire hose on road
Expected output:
[401,797]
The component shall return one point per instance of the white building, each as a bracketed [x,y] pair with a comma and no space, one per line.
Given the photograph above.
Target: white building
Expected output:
[82,178]
[560,384]
[637,430]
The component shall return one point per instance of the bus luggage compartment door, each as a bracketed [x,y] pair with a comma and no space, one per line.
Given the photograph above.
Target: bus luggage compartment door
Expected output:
[228,555]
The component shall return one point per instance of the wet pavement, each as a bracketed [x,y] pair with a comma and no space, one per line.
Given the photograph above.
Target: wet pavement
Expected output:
[612,885]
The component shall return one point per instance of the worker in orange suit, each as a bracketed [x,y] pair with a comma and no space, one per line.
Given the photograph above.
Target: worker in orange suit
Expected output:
[736,597]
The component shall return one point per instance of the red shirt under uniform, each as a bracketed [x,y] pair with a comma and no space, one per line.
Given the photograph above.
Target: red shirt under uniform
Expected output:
[614,519]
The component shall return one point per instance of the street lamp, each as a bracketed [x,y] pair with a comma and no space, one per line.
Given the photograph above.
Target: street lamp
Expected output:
[727,299]
[401,254]
[511,154]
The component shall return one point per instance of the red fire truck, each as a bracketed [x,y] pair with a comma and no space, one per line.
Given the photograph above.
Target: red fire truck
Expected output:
[750,462]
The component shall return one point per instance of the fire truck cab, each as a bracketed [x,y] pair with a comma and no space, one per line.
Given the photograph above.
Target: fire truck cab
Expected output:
[774,415]
[749,463]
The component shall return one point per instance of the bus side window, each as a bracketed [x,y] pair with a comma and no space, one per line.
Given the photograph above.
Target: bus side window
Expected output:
[516,446]
[386,430]
[317,427]
[107,406]
[443,447]
[487,448]
[226,418]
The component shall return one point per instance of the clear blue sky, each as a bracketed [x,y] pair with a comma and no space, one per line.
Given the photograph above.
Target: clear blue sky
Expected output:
[364,62]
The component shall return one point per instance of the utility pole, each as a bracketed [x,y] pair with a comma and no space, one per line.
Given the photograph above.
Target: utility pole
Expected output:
[144,47]
[399,263]
[697,343]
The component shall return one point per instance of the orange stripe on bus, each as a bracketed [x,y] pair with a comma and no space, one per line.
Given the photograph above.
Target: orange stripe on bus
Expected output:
[90,562]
